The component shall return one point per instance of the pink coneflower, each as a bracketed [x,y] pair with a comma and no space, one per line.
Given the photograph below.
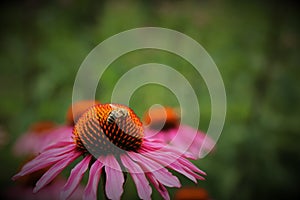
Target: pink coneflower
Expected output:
[164,123]
[110,139]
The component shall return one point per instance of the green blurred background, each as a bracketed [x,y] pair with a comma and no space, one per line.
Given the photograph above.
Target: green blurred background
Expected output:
[255,46]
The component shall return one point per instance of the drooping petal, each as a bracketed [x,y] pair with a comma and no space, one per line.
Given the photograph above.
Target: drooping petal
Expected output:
[176,155]
[54,171]
[58,150]
[40,162]
[190,165]
[142,185]
[158,186]
[178,164]
[114,178]
[158,171]
[194,174]
[90,192]
[179,169]
[170,161]
[53,137]
[75,177]
[151,145]
[61,143]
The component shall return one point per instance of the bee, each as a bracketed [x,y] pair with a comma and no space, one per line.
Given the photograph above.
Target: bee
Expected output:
[115,114]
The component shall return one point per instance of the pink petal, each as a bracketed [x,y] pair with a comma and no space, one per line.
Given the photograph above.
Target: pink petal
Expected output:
[90,192]
[192,173]
[54,171]
[207,142]
[191,166]
[59,150]
[150,146]
[192,140]
[114,178]
[75,177]
[158,171]
[58,144]
[189,141]
[143,188]
[179,169]
[38,163]
[178,164]
[165,161]
[158,186]
[33,143]
[57,135]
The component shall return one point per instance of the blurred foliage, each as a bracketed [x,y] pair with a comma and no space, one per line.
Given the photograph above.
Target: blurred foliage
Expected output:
[255,46]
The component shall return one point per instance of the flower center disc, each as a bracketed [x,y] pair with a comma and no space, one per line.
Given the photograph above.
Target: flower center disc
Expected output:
[108,128]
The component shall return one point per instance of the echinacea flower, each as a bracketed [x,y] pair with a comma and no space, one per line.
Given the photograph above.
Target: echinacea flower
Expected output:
[110,140]
[164,123]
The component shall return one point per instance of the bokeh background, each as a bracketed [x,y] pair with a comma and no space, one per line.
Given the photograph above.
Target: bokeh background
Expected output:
[255,46]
